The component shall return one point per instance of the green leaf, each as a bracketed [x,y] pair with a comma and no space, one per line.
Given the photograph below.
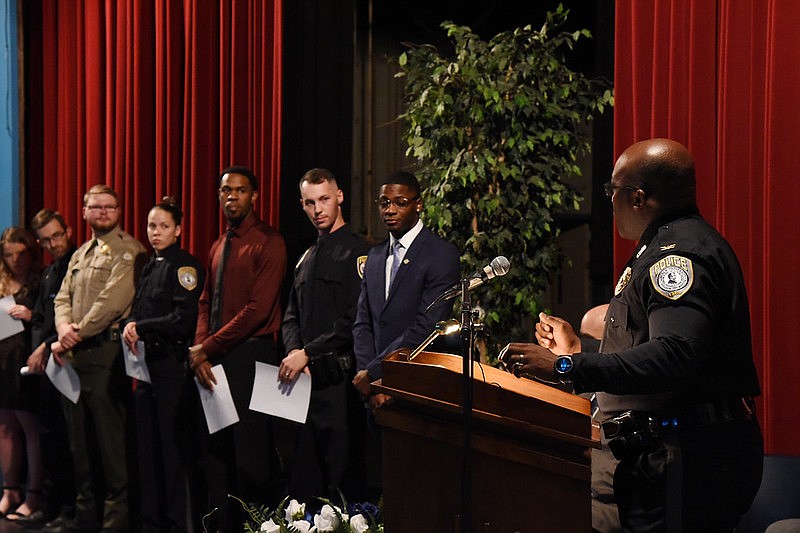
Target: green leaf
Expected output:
[496,127]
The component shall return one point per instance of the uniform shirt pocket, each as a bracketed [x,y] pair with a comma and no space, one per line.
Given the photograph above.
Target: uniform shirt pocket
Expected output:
[617,337]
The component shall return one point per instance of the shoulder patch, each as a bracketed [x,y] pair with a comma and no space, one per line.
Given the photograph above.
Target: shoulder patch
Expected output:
[361,264]
[187,277]
[672,276]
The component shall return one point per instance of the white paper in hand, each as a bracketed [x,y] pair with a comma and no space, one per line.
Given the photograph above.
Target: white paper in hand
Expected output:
[64,379]
[8,325]
[135,365]
[272,397]
[218,403]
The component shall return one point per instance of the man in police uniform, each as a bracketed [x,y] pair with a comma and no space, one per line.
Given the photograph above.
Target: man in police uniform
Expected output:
[95,296]
[676,365]
[318,335]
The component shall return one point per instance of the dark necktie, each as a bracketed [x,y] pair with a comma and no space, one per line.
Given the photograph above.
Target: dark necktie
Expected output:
[216,300]
[395,261]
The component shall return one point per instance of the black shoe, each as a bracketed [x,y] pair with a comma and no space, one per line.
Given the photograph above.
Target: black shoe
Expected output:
[35,520]
[66,513]
[57,523]
[54,526]
[73,525]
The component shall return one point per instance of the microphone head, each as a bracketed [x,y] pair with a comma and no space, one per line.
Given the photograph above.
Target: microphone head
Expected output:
[500,265]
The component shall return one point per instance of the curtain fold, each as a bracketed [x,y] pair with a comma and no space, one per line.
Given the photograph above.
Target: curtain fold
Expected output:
[722,77]
[155,98]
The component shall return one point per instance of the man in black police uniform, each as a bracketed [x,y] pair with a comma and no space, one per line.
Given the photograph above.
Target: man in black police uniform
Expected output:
[676,365]
[318,334]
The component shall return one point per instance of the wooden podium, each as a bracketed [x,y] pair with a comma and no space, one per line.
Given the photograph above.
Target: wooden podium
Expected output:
[530,450]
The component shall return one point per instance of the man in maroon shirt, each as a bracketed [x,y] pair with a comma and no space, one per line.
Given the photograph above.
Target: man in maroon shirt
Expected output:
[239,314]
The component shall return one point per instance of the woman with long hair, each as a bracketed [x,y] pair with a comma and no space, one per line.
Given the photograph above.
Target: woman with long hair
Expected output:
[19,427]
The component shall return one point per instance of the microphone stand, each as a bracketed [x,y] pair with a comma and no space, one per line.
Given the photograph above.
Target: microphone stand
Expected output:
[469,329]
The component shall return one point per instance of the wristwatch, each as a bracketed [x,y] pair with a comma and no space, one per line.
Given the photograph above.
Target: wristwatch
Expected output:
[563,368]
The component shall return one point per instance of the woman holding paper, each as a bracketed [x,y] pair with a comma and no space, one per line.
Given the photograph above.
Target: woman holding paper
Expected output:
[19,427]
[162,325]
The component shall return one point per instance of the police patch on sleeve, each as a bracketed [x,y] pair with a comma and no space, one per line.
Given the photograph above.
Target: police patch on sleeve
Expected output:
[361,264]
[672,276]
[187,277]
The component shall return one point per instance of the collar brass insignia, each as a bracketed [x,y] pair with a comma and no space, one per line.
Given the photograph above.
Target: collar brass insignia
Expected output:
[624,279]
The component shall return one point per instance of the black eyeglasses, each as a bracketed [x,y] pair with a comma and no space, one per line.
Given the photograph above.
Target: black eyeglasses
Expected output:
[57,236]
[98,208]
[401,202]
[609,188]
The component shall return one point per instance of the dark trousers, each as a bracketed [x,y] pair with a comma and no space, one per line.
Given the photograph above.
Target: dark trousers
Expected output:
[701,479]
[162,444]
[241,459]
[56,453]
[329,452]
[97,430]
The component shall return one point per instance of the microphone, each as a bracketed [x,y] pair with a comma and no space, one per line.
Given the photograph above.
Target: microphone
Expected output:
[498,267]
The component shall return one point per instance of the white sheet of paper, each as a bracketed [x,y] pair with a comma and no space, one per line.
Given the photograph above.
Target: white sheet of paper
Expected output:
[8,325]
[64,379]
[274,398]
[135,365]
[218,404]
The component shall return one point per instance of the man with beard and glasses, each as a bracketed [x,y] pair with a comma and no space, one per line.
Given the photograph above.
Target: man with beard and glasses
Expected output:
[95,297]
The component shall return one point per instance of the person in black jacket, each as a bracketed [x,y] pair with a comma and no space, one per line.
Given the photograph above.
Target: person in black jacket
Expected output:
[675,372]
[55,237]
[318,334]
[164,317]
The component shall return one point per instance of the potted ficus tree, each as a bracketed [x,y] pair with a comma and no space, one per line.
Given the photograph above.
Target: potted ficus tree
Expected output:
[496,129]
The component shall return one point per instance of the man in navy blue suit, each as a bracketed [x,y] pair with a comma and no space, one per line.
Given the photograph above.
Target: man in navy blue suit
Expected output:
[402,276]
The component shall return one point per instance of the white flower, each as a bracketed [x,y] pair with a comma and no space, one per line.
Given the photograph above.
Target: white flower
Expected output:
[326,520]
[295,511]
[270,527]
[304,526]
[359,524]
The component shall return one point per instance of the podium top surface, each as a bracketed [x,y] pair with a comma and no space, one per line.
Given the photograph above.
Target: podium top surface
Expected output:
[438,377]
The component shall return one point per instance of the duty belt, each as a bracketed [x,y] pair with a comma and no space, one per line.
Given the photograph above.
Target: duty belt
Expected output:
[110,334]
[633,429]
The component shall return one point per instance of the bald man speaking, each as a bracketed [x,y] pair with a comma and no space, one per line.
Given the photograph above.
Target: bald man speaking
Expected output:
[675,374]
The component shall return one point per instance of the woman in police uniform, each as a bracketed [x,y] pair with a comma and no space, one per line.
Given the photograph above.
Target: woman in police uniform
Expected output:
[164,316]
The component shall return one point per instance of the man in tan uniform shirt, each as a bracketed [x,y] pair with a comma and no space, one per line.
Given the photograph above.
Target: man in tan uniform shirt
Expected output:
[95,297]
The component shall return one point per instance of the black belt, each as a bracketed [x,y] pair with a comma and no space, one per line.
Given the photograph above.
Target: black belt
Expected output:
[110,334]
[633,429]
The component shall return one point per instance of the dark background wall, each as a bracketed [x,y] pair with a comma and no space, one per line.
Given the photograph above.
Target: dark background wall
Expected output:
[340,101]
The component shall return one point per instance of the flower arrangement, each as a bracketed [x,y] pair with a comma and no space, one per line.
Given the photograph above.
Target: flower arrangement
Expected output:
[291,517]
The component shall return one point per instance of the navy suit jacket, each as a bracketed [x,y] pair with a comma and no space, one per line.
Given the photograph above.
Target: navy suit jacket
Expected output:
[430,267]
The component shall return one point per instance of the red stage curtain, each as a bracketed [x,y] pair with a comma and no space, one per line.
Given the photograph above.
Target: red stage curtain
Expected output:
[722,77]
[155,98]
